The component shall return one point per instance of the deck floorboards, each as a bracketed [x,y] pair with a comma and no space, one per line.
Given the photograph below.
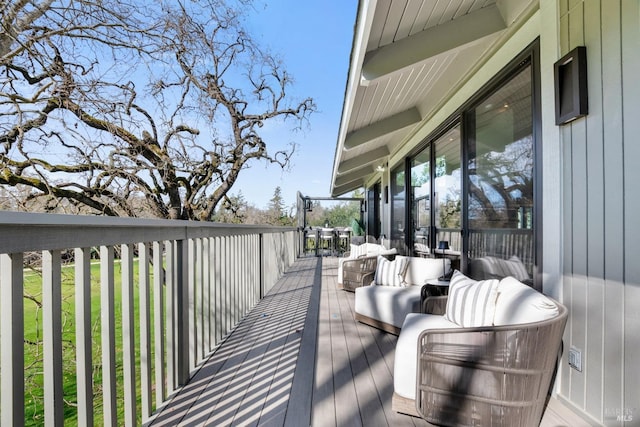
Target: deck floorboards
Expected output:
[298,358]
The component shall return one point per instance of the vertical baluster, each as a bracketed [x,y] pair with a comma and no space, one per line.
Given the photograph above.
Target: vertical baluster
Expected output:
[245,274]
[52,337]
[206,286]
[217,254]
[241,277]
[256,267]
[182,324]
[128,337]
[170,307]
[224,284]
[84,357]
[193,342]
[107,321]
[158,320]
[234,280]
[145,329]
[199,300]
[11,340]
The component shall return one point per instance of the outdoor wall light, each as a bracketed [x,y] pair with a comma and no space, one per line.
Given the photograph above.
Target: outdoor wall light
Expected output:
[570,78]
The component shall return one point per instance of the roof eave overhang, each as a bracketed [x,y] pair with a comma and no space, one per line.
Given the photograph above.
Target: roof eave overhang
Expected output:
[364,21]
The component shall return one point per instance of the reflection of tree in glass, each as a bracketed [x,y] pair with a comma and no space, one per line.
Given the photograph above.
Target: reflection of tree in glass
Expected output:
[418,178]
[500,183]
[450,213]
[441,166]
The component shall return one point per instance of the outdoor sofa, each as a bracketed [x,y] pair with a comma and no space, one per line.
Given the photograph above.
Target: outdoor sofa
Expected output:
[358,265]
[484,355]
[395,290]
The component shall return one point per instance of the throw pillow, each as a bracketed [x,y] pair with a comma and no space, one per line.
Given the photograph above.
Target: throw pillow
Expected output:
[471,303]
[390,273]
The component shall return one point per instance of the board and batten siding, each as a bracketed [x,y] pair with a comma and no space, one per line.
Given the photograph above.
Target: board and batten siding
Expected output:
[601,213]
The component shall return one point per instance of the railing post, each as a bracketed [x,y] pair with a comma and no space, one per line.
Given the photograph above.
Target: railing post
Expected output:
[145,330]
[52,337]
[170,310]
[108,325]
[128,337]
[182,324]
[261,263]
[84,366]
[189,287]
[158,321]
[11,340]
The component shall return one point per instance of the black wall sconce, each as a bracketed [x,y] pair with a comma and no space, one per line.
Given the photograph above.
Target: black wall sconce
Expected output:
[386,194]
[570,76]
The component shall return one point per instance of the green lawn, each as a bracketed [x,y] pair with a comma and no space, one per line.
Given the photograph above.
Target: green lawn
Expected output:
[34,405]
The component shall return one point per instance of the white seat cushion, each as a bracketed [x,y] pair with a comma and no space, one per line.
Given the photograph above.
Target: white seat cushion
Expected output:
[386,303]
[518,303]
[406,357]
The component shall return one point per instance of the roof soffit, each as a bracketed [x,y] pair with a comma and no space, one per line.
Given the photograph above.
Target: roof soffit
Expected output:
[431,42]
[382,127]
[458,34]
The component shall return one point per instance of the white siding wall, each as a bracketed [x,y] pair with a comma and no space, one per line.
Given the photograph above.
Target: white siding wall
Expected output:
[601,205]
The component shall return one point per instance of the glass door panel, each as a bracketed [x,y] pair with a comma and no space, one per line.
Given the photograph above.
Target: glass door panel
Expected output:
[500,193]
[398,215]
[447,197]
[421,202]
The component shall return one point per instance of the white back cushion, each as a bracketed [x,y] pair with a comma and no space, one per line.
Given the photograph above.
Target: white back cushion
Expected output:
[390,273]
[422,270]
[471,303]
[518,303]
[357,251]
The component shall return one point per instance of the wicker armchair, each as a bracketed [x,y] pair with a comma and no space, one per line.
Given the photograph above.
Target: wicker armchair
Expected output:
[358,272]
[498,376]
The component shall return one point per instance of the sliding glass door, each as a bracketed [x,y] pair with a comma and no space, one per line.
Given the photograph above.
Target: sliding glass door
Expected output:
[436,195]
[473,183]
[447,197]
[501,201]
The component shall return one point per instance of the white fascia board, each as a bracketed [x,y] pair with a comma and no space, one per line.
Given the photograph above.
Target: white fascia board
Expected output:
[364,22]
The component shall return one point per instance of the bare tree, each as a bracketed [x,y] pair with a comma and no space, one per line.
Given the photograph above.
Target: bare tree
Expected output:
[104,104]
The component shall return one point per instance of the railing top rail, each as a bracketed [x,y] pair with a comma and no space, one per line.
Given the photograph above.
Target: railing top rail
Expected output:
[22,231]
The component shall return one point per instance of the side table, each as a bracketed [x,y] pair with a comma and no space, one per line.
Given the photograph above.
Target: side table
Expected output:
[434,288]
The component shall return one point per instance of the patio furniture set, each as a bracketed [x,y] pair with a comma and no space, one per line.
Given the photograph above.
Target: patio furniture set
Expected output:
[484,353]
[327,240]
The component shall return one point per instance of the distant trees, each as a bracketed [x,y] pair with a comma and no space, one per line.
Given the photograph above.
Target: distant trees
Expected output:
[338,215]
[236,210]
[276,213]
[119,108]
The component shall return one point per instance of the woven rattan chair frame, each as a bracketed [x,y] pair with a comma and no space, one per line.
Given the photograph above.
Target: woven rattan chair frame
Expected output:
[358,272]
[361,271]
[494,376]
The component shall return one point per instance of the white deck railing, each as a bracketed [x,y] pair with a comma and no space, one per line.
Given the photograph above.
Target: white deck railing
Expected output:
[194,282]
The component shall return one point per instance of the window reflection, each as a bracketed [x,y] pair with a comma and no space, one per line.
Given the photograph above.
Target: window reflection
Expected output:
[448,191]
[421,201]
[501,164]
[398,197]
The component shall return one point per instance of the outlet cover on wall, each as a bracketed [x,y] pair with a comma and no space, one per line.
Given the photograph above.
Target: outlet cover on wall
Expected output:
[575,359]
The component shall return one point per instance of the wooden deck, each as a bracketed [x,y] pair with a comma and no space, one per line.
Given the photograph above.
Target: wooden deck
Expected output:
[300,359]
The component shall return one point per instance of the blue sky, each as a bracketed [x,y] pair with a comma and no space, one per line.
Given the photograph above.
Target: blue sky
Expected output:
[313,38]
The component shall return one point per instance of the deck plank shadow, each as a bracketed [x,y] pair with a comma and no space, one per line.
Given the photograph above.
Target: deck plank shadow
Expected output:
[298,358]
